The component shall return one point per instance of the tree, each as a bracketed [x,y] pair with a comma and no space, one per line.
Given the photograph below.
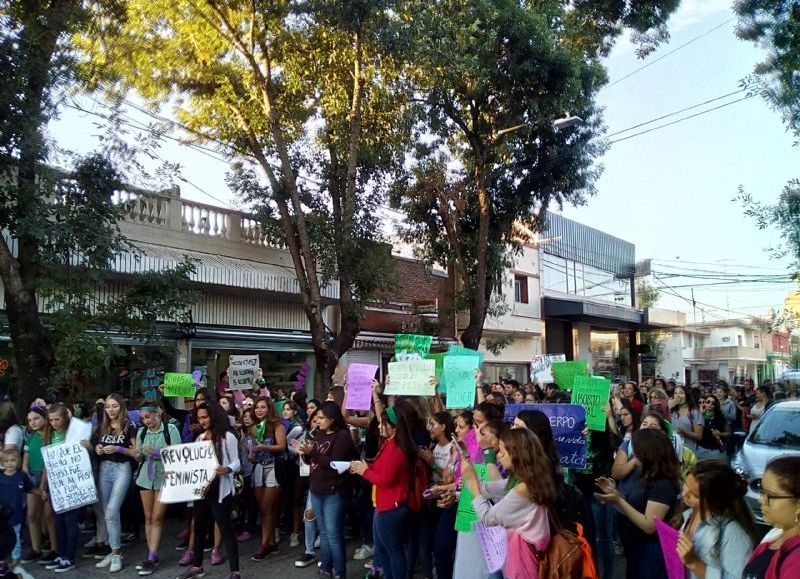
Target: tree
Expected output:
[60,228]
[309,101]
[493,75]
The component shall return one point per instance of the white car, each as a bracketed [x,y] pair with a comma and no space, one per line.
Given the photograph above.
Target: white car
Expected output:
[776,434]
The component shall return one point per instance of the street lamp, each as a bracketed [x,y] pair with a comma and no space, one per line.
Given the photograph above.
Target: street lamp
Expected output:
[567,122]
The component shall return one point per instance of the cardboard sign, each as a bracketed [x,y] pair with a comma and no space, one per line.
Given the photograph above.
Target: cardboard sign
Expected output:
[565,372]
[459,372]
[591,392]
[359,386]
[69,476]
[567,422]
[188,470]
[78,430]
[411,378]
[181,385]
[411,347]
[242,372]
[149,383]
[541,367]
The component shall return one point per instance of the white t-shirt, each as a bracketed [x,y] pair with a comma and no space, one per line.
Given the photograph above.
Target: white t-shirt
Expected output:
[441,458]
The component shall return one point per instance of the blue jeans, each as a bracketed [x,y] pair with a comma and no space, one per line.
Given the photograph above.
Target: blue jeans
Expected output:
[603,546]
[389,531]
[115,478]
[310,527]
[329,511]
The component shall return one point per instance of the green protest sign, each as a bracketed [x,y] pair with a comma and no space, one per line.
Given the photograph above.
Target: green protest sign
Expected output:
[456,350]
[411,346]
[411,378]
[465,514]
[591,392]
[565,372]
[176,384]
[439,359]
[459,372]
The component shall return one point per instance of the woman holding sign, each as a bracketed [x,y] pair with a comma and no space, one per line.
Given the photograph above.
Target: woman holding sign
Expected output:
[151,438]
[218,497]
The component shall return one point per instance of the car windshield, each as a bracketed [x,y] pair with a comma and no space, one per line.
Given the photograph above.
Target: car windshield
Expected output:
[778,428]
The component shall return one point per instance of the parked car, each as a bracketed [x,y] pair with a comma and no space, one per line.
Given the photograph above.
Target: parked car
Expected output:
[776,434]
[793,375]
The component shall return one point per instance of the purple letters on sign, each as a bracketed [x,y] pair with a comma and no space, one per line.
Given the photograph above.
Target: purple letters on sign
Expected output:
[359,386]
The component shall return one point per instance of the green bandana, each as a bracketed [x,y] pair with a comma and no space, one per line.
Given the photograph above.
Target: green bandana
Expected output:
[392,416]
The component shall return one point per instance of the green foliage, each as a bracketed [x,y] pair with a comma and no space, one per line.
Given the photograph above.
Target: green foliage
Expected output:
[776,27]
[647,295]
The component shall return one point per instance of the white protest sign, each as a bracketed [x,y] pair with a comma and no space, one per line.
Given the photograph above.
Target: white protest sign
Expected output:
[412,378]
[541,367]
[69,476]
[78,430]
[494,542]
[188,469]
[242,372]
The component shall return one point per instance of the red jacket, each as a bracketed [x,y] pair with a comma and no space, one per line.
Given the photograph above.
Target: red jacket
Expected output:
[788,555]
[389,473]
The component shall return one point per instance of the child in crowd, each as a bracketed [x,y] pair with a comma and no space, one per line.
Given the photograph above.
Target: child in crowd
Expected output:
[14,485]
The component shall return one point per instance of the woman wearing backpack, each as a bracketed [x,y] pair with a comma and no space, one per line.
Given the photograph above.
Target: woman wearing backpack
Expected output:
[521,502]
[718,531]
[150,439]
[392,474]
[778,556]
[328,487]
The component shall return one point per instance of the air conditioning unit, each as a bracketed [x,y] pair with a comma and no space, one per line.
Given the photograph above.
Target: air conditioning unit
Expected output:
[425,306]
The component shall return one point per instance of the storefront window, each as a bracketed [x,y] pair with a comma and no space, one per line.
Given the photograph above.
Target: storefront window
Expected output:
[497,372]
[571,277]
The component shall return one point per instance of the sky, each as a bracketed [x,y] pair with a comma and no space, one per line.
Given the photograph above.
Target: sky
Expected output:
[669,191]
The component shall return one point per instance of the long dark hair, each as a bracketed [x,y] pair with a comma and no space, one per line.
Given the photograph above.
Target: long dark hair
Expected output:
[530,466]
[332,412]
[8,415]
[657,456]
[537,422]
[446,420]
[219,425]
[691,401]
[635,417]
[404,440]
[722,494]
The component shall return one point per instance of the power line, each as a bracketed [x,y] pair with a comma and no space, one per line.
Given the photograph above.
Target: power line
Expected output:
[677,112]
[680,120]
[673,51]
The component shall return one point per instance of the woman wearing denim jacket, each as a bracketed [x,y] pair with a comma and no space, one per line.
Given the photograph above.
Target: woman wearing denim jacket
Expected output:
[719,532]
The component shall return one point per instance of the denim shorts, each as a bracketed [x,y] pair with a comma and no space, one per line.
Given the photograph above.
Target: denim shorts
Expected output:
[36,479]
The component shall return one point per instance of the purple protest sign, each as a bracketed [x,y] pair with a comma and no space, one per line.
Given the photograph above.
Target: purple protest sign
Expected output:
[668,537]
[359,386]
[494,542]
[567,422]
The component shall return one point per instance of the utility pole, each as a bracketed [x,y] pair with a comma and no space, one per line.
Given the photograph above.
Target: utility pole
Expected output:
[694,307]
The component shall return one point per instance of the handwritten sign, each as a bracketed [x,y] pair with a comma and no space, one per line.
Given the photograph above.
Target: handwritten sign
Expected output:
[565,372]
[591,392]
[411,346]
[188,469]
[78,430]
[456,350]
[466,516]
[541,367]
[69,476]
[494,542]
[567,422]
[359,386]
[459,372]
[181,385]
[148,383]
[411,378]
[668,537]
[242,372]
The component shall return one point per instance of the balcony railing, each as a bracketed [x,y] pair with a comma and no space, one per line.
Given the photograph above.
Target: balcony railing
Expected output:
[742,353]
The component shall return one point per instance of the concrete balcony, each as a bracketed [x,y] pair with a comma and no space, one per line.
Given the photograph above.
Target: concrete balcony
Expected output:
[727,353]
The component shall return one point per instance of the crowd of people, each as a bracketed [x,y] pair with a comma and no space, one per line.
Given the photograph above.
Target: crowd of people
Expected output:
[412,480]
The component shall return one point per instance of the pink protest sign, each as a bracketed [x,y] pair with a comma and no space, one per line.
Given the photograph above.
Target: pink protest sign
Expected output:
[359,386]
[668,537]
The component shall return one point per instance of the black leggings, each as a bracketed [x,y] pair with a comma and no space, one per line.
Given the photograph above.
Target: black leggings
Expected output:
[208,511]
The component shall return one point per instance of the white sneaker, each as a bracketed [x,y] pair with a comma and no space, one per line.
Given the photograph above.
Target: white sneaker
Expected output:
[20,571]
[294,540]
[316,542]
[364,552]
[116,563]
[105,562]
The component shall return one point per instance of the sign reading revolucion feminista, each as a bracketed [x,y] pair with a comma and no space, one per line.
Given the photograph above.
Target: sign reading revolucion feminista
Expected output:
[188,469]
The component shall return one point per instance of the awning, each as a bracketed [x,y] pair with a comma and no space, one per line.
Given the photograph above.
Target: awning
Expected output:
[218,270]
[599,316]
